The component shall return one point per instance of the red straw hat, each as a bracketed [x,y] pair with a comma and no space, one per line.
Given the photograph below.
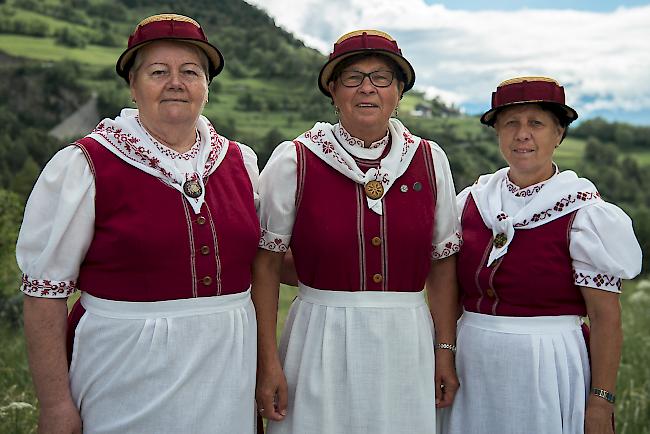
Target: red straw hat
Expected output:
[174,27]
[365,41]
[524,90]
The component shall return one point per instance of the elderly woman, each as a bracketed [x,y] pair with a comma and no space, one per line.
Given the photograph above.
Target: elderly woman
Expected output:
[367,209]
[152,216]
[541,250]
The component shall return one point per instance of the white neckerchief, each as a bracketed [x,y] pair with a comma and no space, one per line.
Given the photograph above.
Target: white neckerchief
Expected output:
[321,141]
[562,194]
[125,137]
[345,137]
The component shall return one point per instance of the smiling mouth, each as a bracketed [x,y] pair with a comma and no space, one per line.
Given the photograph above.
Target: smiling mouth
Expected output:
[523,151]
[367,105]
[174,100]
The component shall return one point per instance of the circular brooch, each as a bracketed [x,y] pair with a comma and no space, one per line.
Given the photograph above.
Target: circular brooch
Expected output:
[500,240]
[192,188]
[374,189]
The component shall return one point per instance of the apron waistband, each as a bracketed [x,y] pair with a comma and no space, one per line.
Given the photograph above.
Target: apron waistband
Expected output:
[164,309]
[380,299]
[522,324]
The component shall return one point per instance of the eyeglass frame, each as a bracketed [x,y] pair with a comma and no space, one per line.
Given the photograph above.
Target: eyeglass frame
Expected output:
[369,76]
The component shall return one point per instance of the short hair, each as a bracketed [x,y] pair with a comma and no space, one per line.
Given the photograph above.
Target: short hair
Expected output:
[203,58]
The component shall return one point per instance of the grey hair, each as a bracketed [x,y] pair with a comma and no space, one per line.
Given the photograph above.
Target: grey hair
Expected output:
[203,58]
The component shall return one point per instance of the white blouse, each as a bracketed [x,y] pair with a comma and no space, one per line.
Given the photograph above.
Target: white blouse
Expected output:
[602,243]
[59,219]
[277,190]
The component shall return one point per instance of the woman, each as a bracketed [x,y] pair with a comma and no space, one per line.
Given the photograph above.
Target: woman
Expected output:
[541,249]
[367,210]
[152,217]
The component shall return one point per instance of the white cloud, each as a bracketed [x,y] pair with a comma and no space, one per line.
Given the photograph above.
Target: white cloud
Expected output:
[601,58]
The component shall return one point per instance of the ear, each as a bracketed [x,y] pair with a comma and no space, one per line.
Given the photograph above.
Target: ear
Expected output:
[400,89]
[131,84]
[331,86]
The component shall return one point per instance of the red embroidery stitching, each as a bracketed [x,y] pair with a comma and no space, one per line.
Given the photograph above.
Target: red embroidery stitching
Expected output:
[326,145]
[44,288]
[600,280]
[274,245]
[559,206]
[449,249]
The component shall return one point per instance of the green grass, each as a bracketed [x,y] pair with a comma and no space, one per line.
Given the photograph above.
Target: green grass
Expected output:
[569,154]
[18,402]
[47,49]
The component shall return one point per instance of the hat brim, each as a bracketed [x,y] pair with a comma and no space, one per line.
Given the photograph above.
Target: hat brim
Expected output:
[489,117]
[326,71]
[215,58]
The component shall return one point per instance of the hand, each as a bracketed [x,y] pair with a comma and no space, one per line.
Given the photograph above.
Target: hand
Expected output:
[63,418]
[446,380]
[598,417]
[271,391]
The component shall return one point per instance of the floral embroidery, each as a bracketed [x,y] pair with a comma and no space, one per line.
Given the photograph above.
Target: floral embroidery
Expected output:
[170,153]
[217,142]
[502,216]
[270,241]
[47,288]
[343,134]
[126,144]
[448,249]
[599,280]
[326,145]
[559,206]
[408,141]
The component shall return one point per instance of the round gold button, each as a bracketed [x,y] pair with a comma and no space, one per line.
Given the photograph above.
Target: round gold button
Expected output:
[200,220]
[205,250]
[376,241]
[377,278]
[207,280]
[374,189]
[490,292]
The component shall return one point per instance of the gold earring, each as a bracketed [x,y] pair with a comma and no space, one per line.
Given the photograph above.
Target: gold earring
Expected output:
[337,112]
[396,111]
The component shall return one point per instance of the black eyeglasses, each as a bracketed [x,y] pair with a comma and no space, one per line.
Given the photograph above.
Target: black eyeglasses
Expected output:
[377,78]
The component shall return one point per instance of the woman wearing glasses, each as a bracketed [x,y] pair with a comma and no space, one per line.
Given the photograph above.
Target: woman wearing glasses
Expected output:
[368,211]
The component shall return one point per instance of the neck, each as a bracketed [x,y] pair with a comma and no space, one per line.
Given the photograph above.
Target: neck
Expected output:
[368,135]
[523,180]
[180,139]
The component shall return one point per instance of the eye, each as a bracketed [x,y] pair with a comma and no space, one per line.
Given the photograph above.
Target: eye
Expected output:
[190,72]
[158,72]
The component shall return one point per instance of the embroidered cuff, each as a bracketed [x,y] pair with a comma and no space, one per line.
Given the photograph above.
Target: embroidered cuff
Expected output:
[47,288]
[594,279]
[274,242]
[447,247]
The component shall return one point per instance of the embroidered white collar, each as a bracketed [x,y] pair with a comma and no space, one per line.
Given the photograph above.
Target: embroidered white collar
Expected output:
[563,193]
[125,137]
[346,138]
[323,143]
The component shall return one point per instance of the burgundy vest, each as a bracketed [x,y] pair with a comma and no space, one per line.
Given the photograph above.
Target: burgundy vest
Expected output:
[149,245]
[339,244]
[535,277]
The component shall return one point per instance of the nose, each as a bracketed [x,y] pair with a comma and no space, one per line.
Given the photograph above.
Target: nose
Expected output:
[175,81]
[523,133]
[366,85]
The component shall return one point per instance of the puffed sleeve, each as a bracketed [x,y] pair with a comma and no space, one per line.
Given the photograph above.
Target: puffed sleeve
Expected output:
[277,190]
[58,226]
[446,235]
[603,247]
[461,200]
[250,163]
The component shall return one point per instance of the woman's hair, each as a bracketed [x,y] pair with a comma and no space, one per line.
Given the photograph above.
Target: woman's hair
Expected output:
[399,73]
[558,113]
[138,59]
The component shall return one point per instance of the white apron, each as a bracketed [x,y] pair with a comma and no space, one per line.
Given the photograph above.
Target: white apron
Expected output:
[178,366]
[358,363]
[522,374]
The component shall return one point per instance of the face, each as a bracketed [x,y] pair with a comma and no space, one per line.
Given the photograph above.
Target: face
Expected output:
[528,136]
[170,85]
[366,107]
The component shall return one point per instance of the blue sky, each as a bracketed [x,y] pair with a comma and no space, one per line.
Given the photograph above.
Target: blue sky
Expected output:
[462,49]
